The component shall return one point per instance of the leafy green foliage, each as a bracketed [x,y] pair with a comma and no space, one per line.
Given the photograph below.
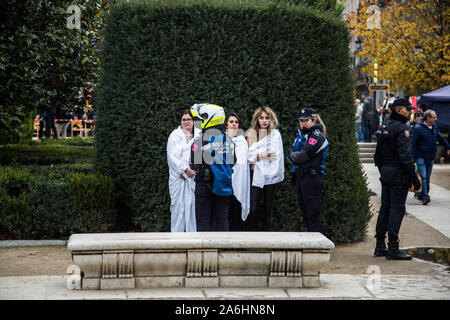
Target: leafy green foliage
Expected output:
[161,56]
[49,203]
[48,152]
[44,63]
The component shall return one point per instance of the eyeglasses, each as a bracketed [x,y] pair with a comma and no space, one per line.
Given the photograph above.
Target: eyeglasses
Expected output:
[233,121]
[186,120]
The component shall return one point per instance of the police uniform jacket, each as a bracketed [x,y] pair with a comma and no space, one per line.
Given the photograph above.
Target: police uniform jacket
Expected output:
[392,154]
[314,148]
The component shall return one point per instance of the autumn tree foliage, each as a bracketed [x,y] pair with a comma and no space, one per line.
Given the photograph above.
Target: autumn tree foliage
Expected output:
[410,40]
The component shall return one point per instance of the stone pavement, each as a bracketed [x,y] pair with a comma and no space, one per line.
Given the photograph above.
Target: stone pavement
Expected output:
[436,214]
[334,286]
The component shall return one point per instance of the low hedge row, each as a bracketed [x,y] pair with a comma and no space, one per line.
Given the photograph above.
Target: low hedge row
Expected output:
[49,203]
[49,151]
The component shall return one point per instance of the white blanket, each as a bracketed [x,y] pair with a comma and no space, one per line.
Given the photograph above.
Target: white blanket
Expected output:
[267,171]
[241,175]
[182,198]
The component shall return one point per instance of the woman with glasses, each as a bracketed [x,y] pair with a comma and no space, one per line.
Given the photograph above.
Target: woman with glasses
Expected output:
[181,176]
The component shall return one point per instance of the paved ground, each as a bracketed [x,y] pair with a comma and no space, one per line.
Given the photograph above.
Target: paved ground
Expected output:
[369,285]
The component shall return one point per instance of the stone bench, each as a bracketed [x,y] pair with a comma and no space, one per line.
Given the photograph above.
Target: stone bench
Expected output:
[200,259]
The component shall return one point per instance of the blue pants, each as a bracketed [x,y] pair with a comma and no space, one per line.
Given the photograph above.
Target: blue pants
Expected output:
[359,132]
[368,129]
[425,166]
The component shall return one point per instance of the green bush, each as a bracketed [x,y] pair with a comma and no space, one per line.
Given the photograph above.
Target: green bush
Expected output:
[14,187]
[39,203]
[161,56]
[49,151]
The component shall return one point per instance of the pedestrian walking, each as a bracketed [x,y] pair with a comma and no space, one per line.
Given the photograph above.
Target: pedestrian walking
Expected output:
[423,150]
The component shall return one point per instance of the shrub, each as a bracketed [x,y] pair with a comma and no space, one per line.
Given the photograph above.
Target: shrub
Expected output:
[49,151]
[14,186]
[240,55]
[39,203]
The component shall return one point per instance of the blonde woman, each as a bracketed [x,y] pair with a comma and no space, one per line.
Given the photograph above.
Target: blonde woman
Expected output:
[308,156]
[266,159]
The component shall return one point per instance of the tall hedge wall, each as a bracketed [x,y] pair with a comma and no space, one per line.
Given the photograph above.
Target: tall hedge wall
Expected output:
[160,56]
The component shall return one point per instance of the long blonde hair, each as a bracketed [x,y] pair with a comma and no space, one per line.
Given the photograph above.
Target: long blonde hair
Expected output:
[319,120]
[255,124]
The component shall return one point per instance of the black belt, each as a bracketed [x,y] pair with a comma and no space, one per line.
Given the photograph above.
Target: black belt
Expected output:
[300,173]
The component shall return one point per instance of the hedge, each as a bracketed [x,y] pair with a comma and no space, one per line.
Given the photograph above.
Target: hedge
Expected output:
[48,152]
[49,203]
[161,56]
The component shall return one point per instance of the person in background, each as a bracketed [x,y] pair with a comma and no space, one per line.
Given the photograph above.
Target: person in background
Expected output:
[369,114]
[240,200]
[418,116]
[50,116]
[423,150]
[308,156]
[358,121]
[266,159]
[181,176]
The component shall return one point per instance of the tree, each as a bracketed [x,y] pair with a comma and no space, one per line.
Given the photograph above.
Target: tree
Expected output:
[410,40]
[44,61]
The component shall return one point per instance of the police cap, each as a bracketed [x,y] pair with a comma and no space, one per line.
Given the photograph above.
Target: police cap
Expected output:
[306,113]
[402,103]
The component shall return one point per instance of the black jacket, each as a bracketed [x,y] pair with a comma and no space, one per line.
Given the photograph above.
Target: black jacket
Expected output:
[393,151]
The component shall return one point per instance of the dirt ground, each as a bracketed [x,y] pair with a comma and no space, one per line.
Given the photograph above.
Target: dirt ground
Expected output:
[345,259]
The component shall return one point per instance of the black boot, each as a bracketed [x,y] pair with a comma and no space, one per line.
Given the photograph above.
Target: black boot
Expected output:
[380,249]
[394,252]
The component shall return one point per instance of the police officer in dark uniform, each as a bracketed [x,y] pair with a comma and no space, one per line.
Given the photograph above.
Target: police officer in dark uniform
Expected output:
[308,157]
[397,173]
[212,157]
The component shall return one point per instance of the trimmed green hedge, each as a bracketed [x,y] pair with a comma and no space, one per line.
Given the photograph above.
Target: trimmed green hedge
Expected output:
[48,152]
[160,56]
[49,203]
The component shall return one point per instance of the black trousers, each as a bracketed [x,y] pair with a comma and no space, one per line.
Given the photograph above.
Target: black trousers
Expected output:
[211,211]
[309,193]
[392,210]
[50,125]
[255,217]
[235,215]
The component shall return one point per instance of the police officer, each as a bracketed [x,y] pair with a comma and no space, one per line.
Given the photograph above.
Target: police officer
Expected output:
[212,157]
[397,173]
[308,157]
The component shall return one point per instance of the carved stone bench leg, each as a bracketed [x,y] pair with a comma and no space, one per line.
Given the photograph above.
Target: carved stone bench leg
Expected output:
[312,260]
[117,270]
[285,269]
[202,269]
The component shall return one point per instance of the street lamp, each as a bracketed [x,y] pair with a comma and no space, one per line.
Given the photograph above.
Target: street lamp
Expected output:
[358,44]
